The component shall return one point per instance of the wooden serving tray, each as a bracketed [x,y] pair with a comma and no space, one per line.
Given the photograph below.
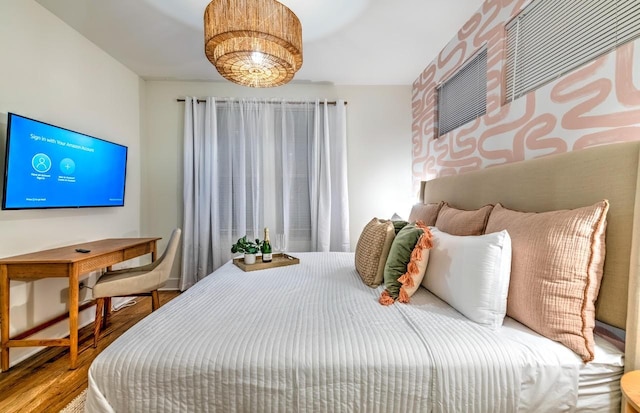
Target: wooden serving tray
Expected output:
[278,260]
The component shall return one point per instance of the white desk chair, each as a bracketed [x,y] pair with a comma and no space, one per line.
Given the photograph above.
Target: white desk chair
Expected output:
[135,281]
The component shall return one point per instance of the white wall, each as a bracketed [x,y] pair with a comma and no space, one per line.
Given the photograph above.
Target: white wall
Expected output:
[51,73]
[379,148]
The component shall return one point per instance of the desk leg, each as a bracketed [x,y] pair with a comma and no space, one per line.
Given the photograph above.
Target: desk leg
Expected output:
[73,315]
[154,250]
[4,317]
[107,307]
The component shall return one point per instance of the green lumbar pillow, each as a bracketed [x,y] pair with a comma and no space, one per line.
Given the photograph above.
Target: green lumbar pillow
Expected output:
[397,260]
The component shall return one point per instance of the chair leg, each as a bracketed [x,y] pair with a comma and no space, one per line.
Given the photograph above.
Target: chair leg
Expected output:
[98,321]
[155,300]
[107,312]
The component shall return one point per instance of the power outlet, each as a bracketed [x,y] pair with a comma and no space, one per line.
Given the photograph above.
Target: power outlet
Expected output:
[82,293]
[82,290]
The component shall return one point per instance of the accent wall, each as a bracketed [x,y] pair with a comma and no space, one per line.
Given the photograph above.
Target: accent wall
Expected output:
[595,104]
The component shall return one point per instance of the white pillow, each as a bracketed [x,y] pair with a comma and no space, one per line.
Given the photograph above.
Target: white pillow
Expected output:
[471,273]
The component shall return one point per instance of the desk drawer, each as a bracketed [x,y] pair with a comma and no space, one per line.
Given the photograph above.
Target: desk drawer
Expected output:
[102,261]
[35,272]
[137,251]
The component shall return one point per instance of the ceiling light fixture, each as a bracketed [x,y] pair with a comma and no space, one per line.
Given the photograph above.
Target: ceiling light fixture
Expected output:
[256,43]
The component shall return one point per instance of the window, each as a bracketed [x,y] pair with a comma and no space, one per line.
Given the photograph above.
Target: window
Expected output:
[264,168]
[251,163]
[292,164]
[551,37]
[463,97]
[240,169]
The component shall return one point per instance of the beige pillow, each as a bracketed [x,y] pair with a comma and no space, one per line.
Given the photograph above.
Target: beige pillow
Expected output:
[372,250]
[460,222]
[427,213]
[556,269]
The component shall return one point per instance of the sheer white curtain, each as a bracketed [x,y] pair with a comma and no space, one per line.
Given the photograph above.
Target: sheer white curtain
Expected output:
[254,163]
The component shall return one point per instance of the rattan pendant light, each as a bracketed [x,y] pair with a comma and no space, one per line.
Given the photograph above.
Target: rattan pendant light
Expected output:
[255,43]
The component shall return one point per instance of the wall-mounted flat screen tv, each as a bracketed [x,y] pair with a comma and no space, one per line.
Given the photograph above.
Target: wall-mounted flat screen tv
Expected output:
[51,167]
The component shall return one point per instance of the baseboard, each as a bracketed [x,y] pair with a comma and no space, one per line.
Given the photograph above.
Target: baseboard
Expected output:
[61,330]
[86,317]
[171,285]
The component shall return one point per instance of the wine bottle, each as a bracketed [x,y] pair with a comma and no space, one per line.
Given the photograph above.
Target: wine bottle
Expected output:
[266,247]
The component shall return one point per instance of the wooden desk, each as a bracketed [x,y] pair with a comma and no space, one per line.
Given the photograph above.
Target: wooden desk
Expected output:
[62,262]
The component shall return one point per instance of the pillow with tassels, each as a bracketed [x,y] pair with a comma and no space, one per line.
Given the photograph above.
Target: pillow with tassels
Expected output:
[406,263]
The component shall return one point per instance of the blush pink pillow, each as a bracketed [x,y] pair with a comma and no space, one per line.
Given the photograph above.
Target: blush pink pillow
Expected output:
[556,269]
[427,213]
[456,221]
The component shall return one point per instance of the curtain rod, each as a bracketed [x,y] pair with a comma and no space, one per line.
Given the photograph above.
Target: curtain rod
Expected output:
[286,101]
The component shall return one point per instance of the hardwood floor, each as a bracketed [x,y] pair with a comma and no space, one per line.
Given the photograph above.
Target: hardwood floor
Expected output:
[44,383]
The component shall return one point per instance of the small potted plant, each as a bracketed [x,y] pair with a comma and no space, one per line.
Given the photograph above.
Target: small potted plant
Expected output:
[248,248]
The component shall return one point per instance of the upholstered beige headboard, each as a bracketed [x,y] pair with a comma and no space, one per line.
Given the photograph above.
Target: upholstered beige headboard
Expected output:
[566,181]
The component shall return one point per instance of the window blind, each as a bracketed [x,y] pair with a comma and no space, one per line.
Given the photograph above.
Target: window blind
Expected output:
[551,37]
[298,122]
[463,97]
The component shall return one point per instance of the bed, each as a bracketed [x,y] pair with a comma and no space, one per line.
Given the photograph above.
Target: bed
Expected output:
[313,337]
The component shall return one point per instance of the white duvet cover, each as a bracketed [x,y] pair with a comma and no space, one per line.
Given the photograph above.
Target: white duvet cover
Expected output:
[313,338]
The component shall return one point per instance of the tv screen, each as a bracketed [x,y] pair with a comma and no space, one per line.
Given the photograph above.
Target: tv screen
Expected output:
[50,167]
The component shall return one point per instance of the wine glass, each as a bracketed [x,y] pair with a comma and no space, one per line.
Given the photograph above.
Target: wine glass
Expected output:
[280,243]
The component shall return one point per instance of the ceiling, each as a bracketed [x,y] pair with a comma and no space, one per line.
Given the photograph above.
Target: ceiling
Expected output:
[354,42]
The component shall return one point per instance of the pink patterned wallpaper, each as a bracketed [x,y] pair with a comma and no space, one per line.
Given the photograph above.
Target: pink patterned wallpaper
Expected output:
[597,103]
